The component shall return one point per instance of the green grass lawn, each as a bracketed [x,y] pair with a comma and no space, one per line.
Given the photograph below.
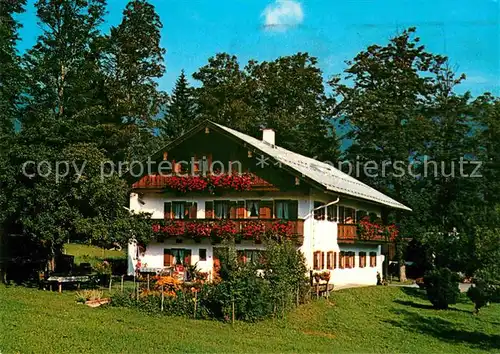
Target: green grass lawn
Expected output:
[374,319]
[91,254]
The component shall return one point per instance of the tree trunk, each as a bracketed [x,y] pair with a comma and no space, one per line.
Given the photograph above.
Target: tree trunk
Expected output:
[402,272]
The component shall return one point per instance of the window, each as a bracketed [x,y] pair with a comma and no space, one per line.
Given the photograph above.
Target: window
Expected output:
[341,215]
[282,209]
[179,210]
[317,260]
[373,259]
[253,208]
[349,216]
[331,212]
[362,259]
[222,209]
[360,214]
[249,256]
[176,256]
[286,209]
[202,254]
[319,214]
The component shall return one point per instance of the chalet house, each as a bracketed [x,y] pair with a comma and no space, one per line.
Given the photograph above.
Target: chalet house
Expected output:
[226,182]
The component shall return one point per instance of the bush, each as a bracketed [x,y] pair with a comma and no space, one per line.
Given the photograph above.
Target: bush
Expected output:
[485,289]
[273,290]
[442,287]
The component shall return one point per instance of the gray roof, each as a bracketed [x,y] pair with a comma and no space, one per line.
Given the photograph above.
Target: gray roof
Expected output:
[330,177]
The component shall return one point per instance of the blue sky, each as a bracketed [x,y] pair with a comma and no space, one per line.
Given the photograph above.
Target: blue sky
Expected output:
[468,31]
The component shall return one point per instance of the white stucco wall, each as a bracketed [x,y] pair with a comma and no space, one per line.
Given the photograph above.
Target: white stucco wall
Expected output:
[319,235]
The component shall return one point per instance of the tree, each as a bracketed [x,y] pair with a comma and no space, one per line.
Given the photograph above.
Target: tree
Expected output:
[133,62]
[180,113]
[61,66]
[286,94]
[393,109]
[11,86]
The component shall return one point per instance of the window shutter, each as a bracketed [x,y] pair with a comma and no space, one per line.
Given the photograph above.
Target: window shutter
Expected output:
[240,210]
[293,209]
[322,260]
[329,260]
[266,209]
[334,260]
[193,210]
[167,210]
[233,208]
[209,210]
[316,260]
[167,258]
[341,260]
[362,259]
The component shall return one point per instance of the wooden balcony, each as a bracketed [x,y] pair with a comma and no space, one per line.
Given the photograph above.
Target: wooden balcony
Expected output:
[160,182]
[348,233]
[240,229]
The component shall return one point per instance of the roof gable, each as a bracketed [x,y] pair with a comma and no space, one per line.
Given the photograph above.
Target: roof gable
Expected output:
[318,173]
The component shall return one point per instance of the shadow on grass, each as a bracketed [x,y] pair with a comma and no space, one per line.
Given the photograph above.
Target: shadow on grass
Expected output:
[415,292]
[426,306]
[445,330]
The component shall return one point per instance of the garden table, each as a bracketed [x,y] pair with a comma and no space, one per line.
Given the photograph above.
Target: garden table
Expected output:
[67,279]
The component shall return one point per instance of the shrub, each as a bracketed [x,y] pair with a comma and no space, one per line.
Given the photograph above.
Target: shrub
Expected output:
[442,287]
[485,289]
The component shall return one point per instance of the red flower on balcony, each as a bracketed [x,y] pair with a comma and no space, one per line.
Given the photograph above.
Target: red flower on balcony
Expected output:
[224,228]
[282,229]
[174,228]
[239,182]
[368,230]
[252,229]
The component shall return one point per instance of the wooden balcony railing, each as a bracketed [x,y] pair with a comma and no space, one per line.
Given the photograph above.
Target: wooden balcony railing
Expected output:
[348,233]
[238,228]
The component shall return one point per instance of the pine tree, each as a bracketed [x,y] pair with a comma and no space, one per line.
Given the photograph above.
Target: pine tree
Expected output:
[11,78]
[133,64]
[180,112]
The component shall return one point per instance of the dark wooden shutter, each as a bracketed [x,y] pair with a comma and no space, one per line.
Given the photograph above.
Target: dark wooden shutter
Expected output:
[167,258]
[334,260]
[233,207]
[293,209]
[316,260]
[240,210]
[329,260]
[322,260]
[266,209]
[209,210]
[167,210]
[192,210]
[362,259]
[341,260]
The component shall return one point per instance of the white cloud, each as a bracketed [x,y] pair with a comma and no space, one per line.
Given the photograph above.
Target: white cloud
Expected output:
[283,14]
